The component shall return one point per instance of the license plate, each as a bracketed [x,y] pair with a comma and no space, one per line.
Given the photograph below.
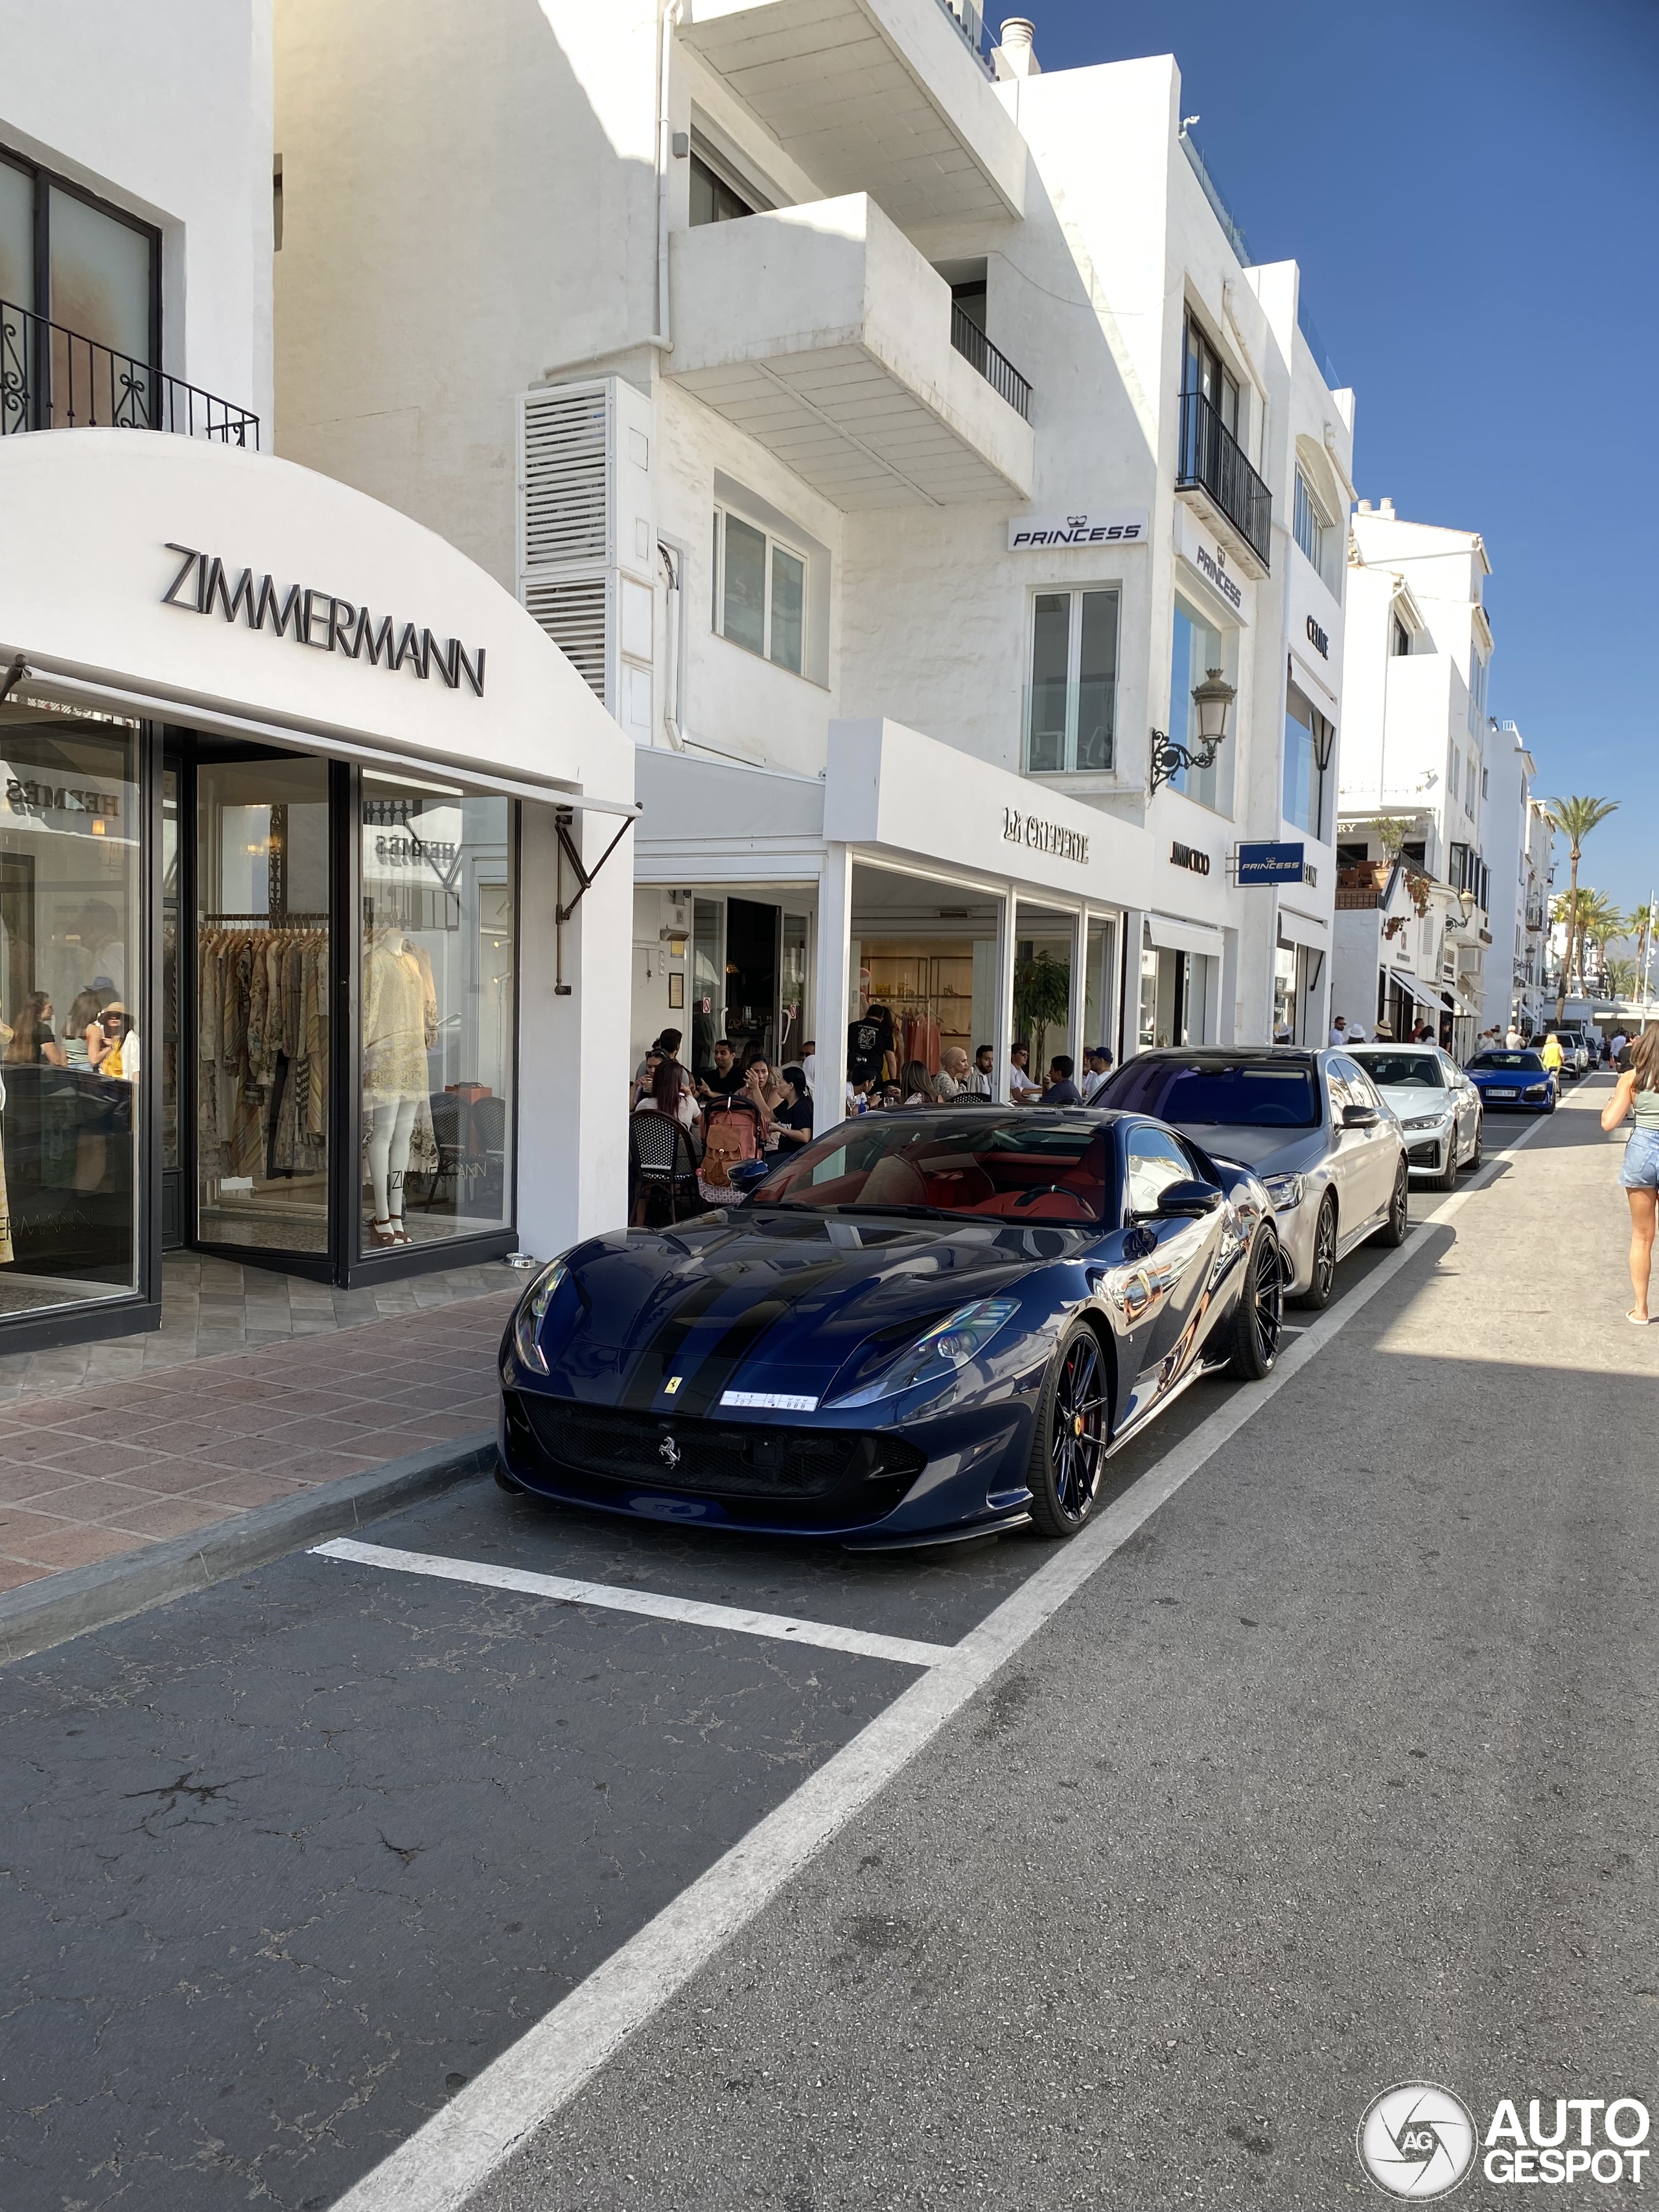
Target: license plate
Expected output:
[1503,1094]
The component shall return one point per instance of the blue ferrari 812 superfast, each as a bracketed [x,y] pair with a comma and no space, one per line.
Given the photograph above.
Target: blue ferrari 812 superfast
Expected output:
[927,1324]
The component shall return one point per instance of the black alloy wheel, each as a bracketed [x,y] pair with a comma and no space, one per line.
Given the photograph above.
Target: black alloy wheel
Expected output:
[1074,1426]
[1474,1157]
[1322,1284]
[1259,1316]
[1399,1221]
[1447,1178]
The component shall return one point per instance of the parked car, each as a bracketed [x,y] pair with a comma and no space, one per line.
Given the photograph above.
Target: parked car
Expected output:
[1516,1080]
[1435,1102]
[924,1325]
[1312,1125]
[1576,1057]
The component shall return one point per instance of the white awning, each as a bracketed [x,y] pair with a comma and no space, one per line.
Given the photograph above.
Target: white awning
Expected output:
[1296,928]
[1179,936]
[1419,991]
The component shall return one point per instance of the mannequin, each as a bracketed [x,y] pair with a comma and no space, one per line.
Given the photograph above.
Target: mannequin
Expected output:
[400,1017]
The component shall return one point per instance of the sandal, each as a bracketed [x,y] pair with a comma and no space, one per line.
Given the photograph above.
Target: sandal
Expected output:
[1639,1321]
[382,1233]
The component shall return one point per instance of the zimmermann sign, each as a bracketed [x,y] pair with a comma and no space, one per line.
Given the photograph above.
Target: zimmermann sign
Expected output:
[319,619]
[1044,836]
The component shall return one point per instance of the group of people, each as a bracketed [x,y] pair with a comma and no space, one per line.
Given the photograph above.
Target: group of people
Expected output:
[98,1035]
[873,1084]
[1347,1032]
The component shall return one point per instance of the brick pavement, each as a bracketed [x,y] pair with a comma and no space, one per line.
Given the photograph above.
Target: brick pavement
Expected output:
[103,1467]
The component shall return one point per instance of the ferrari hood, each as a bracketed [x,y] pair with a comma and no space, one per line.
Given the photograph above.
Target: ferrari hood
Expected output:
[763,1311]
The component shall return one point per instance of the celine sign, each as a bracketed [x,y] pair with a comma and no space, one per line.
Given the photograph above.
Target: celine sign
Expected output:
[319,619]
[1044,836]
[1187,856]
[1121,526]
[1271,864]
[1318,639]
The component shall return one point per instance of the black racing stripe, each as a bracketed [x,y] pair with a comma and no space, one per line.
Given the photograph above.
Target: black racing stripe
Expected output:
[704,1389]
[654,1362]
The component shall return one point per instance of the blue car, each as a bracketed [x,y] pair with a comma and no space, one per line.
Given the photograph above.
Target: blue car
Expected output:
[1516,1082]
[928,1324]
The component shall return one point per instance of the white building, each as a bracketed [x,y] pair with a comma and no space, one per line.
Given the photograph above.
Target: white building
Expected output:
[1414,753]
[292,787]
[890,433]
[1519,838]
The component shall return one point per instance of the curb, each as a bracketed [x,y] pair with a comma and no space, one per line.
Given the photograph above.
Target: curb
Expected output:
[42,1613]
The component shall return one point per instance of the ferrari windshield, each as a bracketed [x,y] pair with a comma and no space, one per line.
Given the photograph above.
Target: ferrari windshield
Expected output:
[1401,1071]
[1018,1168]
[1518,1063]
[1216,1094]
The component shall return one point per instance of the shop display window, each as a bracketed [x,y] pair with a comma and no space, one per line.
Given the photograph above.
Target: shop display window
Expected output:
[437,1013]
[71,1014]
[264,1013]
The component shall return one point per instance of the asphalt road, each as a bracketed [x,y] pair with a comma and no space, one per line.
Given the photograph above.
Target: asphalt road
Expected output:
[1340,1771]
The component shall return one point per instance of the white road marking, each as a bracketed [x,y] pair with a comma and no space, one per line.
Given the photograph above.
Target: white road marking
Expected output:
[823,1634]
[448,2158]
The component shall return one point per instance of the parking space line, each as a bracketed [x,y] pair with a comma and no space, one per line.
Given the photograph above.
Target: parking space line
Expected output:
[823,1634]
[449,2157]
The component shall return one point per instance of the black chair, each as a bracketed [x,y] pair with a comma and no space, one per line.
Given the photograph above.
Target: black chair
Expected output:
[445,1111]
[662,1169]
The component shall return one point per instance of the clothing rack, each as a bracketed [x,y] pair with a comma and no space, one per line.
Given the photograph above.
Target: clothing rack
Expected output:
[295,920]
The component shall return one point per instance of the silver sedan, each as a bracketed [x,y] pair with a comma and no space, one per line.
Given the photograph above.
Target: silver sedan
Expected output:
[1312,1125]
[1439,1107]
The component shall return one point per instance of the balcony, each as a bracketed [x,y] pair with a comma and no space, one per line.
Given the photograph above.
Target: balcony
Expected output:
[820,331]
[889,97]
[51,379]
[999,372]
[1212,463]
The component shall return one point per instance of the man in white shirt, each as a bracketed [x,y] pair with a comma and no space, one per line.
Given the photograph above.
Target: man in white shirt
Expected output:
[1021,1089]
[1513,1038]
[1338,1036]
[1096,1067]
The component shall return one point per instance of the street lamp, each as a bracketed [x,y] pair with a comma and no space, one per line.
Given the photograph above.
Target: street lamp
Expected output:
[1211,698]
[1466,900]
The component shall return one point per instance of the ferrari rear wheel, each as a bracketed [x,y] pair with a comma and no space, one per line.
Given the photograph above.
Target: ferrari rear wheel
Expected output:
[1073,1428]
[1259,1316]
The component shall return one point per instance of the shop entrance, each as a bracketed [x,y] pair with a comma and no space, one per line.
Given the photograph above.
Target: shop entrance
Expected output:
[339,1013]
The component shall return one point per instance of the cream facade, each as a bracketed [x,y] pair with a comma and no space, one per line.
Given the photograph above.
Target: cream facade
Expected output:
[811,377]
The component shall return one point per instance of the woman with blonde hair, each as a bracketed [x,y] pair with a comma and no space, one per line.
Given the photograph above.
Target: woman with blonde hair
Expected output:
[1637,1090]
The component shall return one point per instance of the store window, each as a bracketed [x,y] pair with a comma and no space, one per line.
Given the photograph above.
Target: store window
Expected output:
[1309,744]
[72,1022]
[437,1013]
[1070,701]
[760,592]
[1198,646]
[264,1013]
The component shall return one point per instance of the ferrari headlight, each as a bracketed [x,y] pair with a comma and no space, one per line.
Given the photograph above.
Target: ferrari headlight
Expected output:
[527,1321]
[947,1345]
[1430,1121]
[1285,1191]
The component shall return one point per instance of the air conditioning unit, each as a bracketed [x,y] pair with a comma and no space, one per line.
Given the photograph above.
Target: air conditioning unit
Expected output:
[587,538]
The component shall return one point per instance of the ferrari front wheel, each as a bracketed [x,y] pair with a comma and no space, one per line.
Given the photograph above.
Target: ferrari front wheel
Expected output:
[1259,1316]
[1073,1428]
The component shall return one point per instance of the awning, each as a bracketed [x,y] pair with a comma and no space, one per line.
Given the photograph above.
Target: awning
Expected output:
[1296,928]
[1420,992]
[1179,936]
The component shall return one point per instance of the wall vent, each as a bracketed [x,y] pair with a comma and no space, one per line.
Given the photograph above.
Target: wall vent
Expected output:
[574,612]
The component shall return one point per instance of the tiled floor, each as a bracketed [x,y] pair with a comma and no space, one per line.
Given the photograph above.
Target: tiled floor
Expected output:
[257,1385]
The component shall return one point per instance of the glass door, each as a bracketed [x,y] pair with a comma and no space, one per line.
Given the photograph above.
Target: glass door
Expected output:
[261,1078]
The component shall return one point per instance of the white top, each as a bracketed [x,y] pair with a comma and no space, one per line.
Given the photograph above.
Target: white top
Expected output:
[809,1068]
[1091,1083]
[685,1112]
[1020,1084]
[1339,1038]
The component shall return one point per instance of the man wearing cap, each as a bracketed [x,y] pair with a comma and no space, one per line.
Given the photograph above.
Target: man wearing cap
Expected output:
[1096,1067]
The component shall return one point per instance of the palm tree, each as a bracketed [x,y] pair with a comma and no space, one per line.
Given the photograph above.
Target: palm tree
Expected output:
[1645,926]
[1576,818]
[1599,922]
[1567,912]
[1620,977]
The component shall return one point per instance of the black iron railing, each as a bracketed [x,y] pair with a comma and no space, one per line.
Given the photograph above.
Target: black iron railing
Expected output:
[999,373]
[1212,461]
[51,379]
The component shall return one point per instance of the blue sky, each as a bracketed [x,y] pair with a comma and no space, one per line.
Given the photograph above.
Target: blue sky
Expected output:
[1471,193]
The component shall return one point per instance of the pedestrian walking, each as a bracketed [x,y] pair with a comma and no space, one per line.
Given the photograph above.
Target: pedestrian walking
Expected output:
[1550,1054]
[1620,1039]
[1636,1093]
[1512,1037]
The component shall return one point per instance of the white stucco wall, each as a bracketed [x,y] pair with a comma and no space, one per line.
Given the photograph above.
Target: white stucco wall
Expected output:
[166,111]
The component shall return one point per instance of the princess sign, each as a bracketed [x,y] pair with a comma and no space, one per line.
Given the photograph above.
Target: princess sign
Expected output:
[1124,525]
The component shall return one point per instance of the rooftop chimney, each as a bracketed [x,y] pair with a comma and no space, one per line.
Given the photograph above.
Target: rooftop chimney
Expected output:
[1016,55]
[1386,508]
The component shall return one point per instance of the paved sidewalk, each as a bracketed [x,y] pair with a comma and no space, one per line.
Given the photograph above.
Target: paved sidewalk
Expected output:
[256,1387]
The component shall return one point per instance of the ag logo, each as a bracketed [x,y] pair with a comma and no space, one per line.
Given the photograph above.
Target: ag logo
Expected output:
[1417,2141]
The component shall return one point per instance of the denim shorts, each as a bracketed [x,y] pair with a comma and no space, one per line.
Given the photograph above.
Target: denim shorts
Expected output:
[1641,1168]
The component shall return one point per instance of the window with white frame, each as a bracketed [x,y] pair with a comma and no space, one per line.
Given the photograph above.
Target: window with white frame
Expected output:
[1070,701]
[1315,533]
[1197,647]
[760,590]
[1477,691]
[1455,778]
[1469,785]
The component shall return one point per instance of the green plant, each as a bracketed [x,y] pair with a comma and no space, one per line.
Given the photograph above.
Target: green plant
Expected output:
[1575,819]
[1391,833]
[1042,1001]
